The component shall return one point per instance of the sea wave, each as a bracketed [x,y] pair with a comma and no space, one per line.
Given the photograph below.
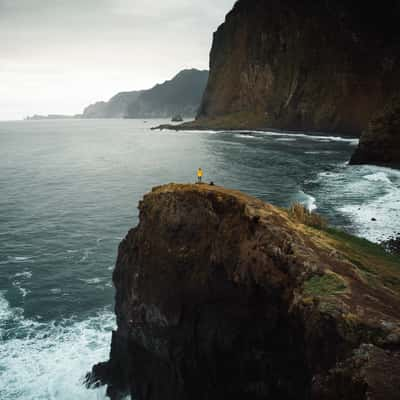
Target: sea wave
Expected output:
[309,201]
[378,176]
[368,196]
[49,360]
[351,141]
[245,136]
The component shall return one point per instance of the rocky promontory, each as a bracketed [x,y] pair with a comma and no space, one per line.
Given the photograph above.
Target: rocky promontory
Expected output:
[222,296]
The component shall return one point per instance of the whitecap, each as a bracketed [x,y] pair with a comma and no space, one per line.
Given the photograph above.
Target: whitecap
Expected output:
[378,218]
[245,136]
[85,256]
[25,275]
[49,360]
[368,196]
[20,259]
[323,138]
[378,176]
[91,281]
[310,202]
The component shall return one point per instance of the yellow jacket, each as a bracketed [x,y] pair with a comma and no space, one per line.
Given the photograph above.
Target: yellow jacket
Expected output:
[199,172]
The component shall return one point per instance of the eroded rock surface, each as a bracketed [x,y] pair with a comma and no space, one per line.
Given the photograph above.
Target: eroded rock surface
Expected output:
[222,296]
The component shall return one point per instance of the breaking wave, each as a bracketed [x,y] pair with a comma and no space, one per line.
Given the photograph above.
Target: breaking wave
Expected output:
[49,360]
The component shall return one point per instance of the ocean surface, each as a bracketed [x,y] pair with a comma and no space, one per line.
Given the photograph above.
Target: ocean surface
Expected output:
[68,195]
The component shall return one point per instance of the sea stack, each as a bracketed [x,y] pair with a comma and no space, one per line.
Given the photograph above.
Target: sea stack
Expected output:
[222,296]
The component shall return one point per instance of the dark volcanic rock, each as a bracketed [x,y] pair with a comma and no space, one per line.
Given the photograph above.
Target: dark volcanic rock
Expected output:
[326,66]
[380,143]
[221,296]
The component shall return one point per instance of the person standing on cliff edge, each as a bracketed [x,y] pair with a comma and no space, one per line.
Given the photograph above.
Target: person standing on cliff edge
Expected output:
[199,175]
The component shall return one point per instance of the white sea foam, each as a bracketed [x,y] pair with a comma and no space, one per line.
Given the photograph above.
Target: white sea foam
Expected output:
[49,360]
[378,176]
[85,256]
[18,281]
[91,281]
[377,219]
[25,275]
[310,202]
[369,196]
[19,259]
[352,141]
[245,136]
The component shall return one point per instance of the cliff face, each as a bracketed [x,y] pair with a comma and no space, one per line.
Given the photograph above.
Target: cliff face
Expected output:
[221,296]
[180,95]
[380,143]
[325,66]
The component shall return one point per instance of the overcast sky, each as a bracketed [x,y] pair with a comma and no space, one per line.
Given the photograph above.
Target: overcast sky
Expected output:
[57,56]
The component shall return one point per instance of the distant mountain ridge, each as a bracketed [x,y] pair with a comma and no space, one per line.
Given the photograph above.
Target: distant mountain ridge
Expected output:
[180,95]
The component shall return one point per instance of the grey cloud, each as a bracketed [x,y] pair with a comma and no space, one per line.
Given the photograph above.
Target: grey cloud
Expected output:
[93,48]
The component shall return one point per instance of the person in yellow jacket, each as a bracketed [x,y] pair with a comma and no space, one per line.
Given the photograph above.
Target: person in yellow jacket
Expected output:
[199,175]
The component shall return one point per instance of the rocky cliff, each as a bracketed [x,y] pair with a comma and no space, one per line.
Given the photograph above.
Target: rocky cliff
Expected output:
[221,296]
[380,142]
[327,66]
[180,95]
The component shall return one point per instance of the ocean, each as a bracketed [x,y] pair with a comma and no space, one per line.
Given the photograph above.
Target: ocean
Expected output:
[68,194]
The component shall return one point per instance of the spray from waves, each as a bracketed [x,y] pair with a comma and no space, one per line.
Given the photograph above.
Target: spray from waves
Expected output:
[310,202]
[46,361]
[369,196]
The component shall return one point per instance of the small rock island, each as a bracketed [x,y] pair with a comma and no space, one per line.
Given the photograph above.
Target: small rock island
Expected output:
[222,296]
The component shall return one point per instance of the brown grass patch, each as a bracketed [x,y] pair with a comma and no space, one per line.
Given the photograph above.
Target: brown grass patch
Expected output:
[300,214]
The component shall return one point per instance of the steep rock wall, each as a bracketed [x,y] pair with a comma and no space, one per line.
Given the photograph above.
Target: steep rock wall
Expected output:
[219,295]
[304,65]
[326,66]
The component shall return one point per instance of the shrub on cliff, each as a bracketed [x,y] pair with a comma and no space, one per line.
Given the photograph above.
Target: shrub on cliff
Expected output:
[299,213]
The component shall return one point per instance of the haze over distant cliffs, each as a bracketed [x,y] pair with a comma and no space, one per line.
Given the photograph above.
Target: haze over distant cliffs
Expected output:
[180,95]
[328,66]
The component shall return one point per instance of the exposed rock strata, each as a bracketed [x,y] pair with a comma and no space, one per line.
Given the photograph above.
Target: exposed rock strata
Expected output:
[221,296]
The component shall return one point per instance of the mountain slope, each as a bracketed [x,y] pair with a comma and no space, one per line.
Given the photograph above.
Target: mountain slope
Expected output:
[180,95]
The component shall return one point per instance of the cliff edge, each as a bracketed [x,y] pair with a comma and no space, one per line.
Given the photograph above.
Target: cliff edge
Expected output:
[222,296]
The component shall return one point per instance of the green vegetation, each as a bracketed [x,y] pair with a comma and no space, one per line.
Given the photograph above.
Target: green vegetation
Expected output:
[371,260]
[328,284]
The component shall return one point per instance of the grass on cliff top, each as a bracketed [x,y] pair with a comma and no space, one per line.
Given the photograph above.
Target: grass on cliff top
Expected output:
[328,284]
[300,214]
[374,264]
[372,261]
